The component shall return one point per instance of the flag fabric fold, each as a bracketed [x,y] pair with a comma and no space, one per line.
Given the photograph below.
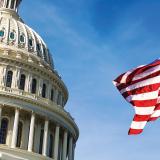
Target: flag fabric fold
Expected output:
[140,87]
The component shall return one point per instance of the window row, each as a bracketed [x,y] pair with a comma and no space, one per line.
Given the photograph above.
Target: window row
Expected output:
[12,36]
[22,40]
[34,87]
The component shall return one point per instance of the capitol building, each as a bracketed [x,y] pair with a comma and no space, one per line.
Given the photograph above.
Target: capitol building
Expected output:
[34,123]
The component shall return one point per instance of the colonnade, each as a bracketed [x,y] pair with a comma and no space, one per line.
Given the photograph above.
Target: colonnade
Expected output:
[68,145]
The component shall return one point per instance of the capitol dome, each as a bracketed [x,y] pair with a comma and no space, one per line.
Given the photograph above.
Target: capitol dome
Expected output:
[34,124]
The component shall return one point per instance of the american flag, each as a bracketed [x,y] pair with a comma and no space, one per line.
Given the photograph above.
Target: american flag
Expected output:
[140,87]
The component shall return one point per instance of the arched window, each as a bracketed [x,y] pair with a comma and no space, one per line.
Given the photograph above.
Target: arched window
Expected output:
[9,79]
[12,35]
[51,146]
[19,135]
[2,32]
[52,94]
[44,53]
[34,86]
[38,49]
[41,141]
[22,82]
[22,38]
[30,42]
[3,130]
[44,91]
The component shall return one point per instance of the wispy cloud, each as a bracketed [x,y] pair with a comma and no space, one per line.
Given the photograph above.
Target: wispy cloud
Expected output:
[89,56]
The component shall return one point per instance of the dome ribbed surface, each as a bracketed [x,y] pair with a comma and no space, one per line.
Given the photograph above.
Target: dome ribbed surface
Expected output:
[14,32]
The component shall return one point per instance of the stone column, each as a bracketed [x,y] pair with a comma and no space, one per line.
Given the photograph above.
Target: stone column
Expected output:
[9,4]
[74,146]
[15,79]
[56,142]
[31,133]
[18,78]
[45,138]
[15,129]
[49,87]
[28,83]
[4,76]
[64,152]
[70,154]
[15,2]
[39,87]
[1,75]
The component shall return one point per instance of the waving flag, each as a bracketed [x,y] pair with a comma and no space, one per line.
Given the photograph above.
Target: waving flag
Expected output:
[140,87]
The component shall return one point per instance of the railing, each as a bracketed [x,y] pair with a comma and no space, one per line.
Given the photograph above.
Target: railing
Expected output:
[34,97]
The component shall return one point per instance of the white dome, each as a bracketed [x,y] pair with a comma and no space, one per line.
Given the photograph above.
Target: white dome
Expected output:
[14,32]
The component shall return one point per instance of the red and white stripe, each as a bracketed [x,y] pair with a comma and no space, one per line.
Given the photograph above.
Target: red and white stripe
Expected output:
[140,87]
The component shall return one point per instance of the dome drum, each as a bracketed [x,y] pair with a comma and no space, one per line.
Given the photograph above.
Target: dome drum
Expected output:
[47,77]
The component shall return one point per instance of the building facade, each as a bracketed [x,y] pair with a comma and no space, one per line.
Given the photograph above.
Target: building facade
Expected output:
[34,124]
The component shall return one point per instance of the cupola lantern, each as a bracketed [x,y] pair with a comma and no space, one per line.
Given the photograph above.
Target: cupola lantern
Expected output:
[10,4]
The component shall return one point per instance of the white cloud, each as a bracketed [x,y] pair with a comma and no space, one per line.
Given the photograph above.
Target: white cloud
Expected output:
[88,66]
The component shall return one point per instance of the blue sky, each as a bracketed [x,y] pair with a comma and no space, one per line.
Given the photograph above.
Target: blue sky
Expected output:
[93,41]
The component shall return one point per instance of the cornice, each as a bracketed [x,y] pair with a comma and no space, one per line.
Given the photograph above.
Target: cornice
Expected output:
[35,68]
